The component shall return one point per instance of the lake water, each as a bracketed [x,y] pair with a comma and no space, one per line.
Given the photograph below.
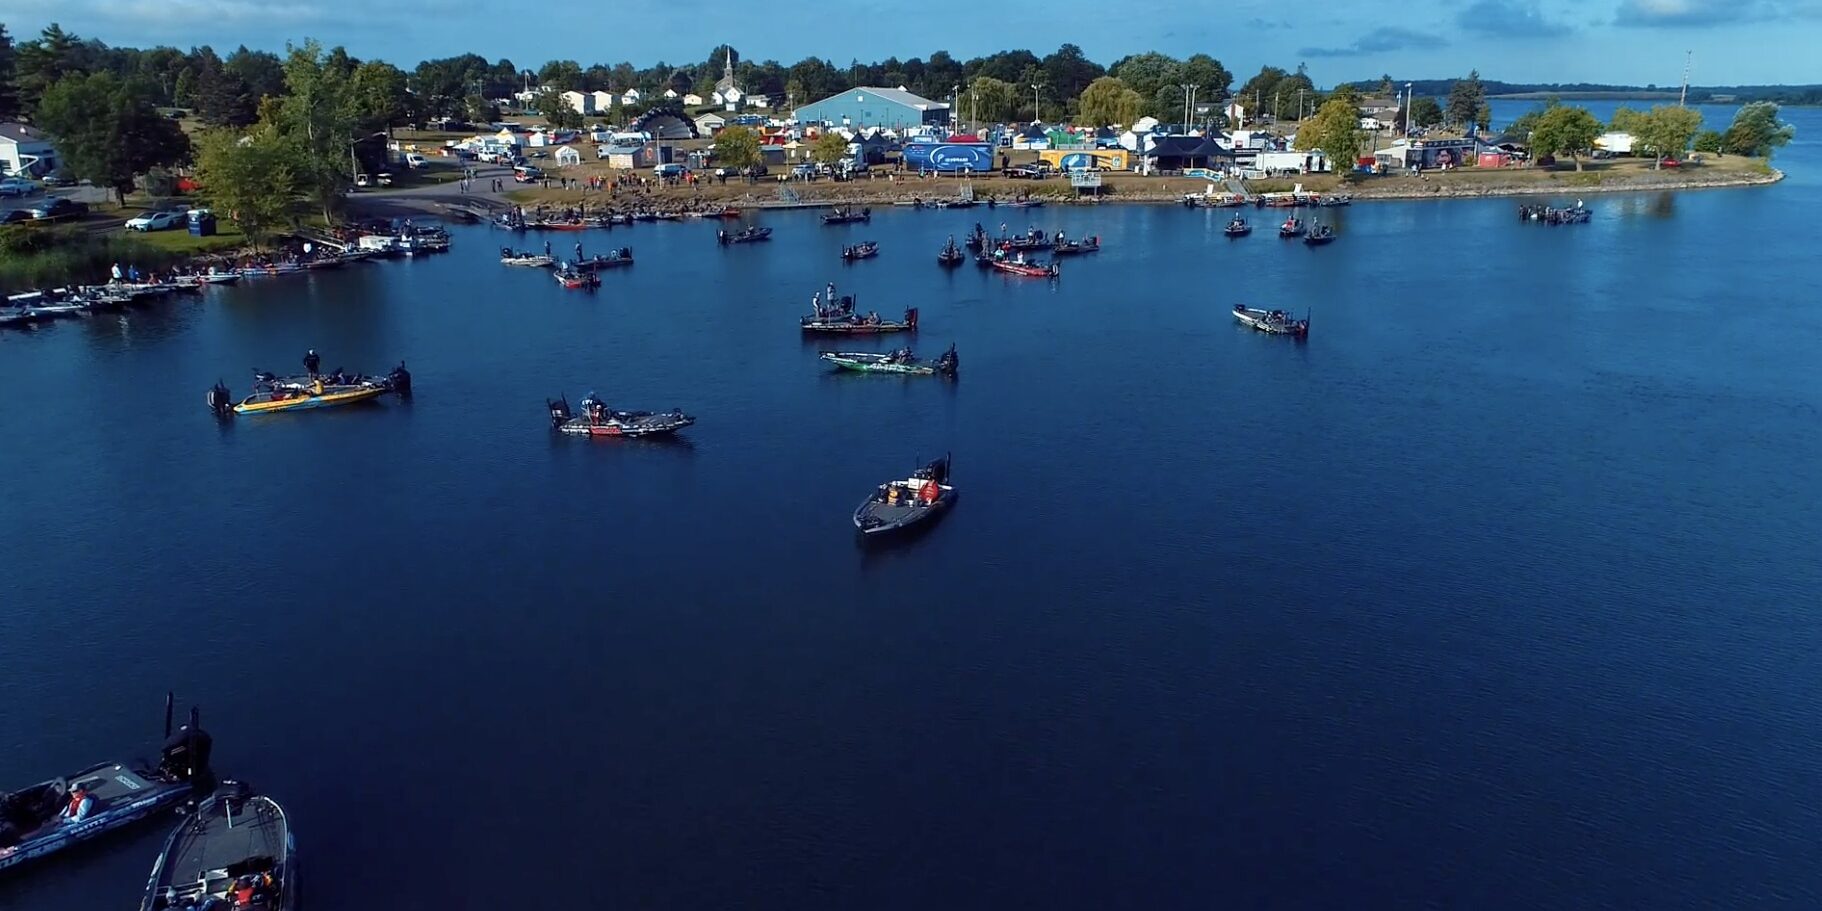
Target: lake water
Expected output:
[1499,592]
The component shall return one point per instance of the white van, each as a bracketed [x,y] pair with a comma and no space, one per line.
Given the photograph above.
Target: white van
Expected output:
[415,161]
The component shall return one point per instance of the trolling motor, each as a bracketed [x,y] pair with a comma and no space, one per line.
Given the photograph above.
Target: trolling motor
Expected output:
[221,401]
[559,411]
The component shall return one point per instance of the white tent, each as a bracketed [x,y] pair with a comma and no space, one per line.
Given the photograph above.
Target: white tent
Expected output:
[568,156]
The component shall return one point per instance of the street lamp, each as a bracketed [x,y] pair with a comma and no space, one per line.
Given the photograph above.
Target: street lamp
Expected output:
[1186,87]
[1034,100]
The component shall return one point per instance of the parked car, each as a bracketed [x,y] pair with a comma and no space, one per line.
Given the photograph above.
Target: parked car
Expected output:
[58,207]
[1026,172]
[1669,163]
[415,161]
[155,221]
[670,170]
[15,186]
[363,180]
[804,171]
[15,216]
[59,180]
[757,170]
[526,174]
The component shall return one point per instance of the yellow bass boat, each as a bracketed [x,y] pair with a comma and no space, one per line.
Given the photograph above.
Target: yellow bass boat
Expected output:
[316,395]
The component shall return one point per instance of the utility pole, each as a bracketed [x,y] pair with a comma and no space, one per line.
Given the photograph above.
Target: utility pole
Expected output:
[955,110]
[1682,100]
[1407,110]
[1186,87]
[1299,105]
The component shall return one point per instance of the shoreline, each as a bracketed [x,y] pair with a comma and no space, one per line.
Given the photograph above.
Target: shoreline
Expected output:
[904,194]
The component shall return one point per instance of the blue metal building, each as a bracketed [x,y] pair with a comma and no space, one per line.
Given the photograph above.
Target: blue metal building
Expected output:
[873,109]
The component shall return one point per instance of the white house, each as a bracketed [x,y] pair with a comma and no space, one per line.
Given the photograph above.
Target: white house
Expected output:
[670,93]
[567,156]
[631,97]
[604,101]
[25,151]
[581,102]
[709,123]
[758,101]
[1618,142]
[1236,113]
[692,99]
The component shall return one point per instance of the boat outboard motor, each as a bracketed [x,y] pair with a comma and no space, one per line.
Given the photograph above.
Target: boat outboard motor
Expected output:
[221,401]
[186,753]
[559,411]
[399,380]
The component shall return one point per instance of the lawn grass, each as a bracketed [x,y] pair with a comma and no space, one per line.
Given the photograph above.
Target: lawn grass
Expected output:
[181,241]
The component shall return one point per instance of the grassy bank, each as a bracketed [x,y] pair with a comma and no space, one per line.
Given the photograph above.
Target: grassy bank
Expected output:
[36,257]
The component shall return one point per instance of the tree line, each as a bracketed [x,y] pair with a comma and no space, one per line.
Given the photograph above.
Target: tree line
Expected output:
[1666,130]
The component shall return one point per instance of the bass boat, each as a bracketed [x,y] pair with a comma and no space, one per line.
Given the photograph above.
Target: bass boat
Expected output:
[1319,235]
[864,250]
[235,851]
[574,280]
[614,259]
[598,420]
[901,361]
[511,257]
[837,316]
[899,504]
[1019,266]
[1291,228]
[747,235]
[951,254]
[846,216]
[1237,228]
[1274,322]
[1066,247]
[50,816]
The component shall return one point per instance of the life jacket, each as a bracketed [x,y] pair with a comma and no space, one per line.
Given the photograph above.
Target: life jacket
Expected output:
[929,492]
[76,798]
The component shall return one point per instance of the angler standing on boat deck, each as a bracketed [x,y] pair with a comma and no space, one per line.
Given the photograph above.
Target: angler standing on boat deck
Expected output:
[311,362]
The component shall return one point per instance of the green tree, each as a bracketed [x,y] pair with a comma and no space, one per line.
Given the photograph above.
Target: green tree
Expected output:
[1425,112]
[1335,131]
[1108,101]
[381,97]
[992,100]
[317,115]
[109,131]
[1756,131]
[45,61]
[564,76]
[1565,130]
[829,148]
[1483,116]
[1666,131]
[1709,141]
[221,98]
[1386,88]
[250,178]
[1625,119]
[1258,91]
[1465,99]
[9,75]
[183,94]
[1526,124]
[737,147]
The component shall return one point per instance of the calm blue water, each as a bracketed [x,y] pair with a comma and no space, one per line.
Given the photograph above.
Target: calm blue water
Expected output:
[1497,593]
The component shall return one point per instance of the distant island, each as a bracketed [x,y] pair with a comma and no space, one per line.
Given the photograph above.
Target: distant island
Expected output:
[1589,91]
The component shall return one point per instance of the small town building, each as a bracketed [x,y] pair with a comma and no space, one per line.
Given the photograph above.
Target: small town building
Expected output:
[580,102]
[604,101]
[726,93]
[871,107]
[710,123]
[24,151]
[692,99]
[1236,113]
[670,93]
[628,157]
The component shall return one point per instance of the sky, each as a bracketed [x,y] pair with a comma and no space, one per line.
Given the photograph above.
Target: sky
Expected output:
[1636,42]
